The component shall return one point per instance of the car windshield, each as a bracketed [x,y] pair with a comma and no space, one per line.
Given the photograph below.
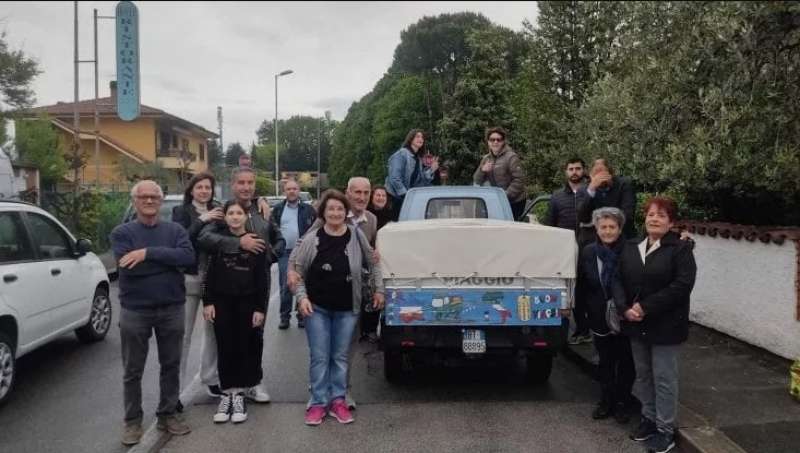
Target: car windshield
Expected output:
[456,208]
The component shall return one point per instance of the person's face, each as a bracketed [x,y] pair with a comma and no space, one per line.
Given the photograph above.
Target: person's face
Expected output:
[335,213]
[379,198]
[574,172]
[244,186]
[245,161]
[496,142]
[417,142]
[235,217]
[358,195]
[608,230]
[147,201]
[201,192]
[657,222]
[292,191]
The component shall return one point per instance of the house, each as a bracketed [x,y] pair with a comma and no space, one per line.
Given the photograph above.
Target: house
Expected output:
[130,150]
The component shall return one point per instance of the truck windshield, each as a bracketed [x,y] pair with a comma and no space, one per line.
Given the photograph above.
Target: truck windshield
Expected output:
[456,208]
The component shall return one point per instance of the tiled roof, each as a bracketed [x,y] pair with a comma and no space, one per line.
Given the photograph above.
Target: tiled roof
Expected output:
[765,234]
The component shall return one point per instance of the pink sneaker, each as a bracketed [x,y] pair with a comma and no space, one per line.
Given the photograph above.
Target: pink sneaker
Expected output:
[314,415]
[340,411]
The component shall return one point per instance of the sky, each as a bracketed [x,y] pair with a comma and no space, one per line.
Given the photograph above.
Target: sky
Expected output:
[196,56]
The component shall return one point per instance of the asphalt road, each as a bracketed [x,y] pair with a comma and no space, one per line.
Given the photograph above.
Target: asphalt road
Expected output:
[69,399]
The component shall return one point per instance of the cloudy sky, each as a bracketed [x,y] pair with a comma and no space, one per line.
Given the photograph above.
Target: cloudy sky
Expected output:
[196,56]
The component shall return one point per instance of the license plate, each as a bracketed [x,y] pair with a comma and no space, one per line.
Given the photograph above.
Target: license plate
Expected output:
[474,341]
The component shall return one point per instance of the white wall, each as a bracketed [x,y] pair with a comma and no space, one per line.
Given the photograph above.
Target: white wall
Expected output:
[747,290]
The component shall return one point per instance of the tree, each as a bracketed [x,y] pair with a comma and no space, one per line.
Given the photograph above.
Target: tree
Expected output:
[214,155]
[300,137]
[16,74]
[38,143]
[232,154]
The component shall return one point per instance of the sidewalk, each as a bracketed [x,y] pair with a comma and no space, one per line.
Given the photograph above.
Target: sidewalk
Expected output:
[734,397]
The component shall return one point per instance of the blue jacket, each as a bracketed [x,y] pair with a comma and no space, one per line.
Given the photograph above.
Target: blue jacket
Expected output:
[401,168]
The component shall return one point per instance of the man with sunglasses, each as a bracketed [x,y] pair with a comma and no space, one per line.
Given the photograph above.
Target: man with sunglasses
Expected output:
[501,167]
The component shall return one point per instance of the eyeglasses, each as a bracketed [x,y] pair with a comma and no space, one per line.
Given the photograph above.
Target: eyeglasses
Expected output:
[495,139]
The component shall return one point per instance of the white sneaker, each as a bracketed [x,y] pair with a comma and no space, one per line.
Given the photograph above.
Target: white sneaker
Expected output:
[223,409]
[257,394]
[239,408]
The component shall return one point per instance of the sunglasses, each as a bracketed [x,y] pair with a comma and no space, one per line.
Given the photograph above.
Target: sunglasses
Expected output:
[495,139]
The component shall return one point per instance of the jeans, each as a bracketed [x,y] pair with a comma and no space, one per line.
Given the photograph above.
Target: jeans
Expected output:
[286,295]
[136,327]
[656,383]
[329,340]
[208,359]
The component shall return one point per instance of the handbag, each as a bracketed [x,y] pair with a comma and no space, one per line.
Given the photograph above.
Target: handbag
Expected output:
[366,276]
[612,317]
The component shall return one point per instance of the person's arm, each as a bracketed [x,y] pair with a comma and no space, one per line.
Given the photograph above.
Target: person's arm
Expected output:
[517,186]
[277,243]
[121,242]
[262,284]
[207,287]
[396,170]
[212,240]
[586,206]
[684,270]
[479,176]
[181,254]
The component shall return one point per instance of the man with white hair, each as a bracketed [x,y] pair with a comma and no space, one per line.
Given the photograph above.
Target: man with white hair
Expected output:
[150,255]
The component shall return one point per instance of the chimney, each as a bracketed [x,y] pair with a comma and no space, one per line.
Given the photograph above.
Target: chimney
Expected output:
[113,86]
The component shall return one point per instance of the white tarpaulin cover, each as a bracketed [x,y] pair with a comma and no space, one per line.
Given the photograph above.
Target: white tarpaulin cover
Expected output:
[466,247]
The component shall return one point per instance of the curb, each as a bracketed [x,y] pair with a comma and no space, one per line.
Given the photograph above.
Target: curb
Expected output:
[154,439]
[694,434]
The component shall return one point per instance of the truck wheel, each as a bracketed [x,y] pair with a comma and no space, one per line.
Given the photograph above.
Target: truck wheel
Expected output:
[99,318]
[539,367]
[8,367]
[392,365]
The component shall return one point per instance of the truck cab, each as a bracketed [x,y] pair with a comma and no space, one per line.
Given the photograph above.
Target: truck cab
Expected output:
[462,278]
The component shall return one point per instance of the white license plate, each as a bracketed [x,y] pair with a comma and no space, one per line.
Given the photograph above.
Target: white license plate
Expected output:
[474,341]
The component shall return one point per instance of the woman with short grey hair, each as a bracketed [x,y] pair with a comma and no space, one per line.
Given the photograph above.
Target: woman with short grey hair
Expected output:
[596,269]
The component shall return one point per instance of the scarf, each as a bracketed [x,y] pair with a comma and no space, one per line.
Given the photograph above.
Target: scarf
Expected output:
[608,255]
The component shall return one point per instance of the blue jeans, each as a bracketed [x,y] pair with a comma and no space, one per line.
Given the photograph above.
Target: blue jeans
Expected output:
[329,337]
[286,295]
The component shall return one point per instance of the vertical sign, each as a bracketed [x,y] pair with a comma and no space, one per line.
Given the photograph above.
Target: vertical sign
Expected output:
[128,93]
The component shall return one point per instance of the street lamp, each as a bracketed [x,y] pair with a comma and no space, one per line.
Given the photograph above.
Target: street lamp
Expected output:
[319,147]
[277,174]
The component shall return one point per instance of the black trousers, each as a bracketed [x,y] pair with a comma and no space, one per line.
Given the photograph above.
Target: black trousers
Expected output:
[239,344]
[397,204]
[616,370]
[517,209]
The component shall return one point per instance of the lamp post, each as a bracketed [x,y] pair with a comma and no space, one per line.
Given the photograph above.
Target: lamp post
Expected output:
[277,173]
[319,147]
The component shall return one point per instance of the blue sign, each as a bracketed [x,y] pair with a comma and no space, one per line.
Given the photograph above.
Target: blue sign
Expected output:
[473,306]
[128,87]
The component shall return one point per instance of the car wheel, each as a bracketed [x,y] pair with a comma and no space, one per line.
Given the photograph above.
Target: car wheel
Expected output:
[8,368]
[539,365]
[99,318]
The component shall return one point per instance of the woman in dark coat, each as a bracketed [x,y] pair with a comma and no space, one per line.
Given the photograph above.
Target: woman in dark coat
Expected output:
[656,277]
[596,269]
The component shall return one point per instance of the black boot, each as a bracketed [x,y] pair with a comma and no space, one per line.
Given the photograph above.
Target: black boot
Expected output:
[602,411]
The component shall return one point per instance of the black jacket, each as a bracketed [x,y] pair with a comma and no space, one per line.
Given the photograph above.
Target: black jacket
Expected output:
[662,286]
[589,291]
[186,215]
[236,276]
[620,195]
[305,216]
[213,237]
[563,209]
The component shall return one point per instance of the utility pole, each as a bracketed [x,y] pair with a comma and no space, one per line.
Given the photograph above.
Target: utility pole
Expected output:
[96,62]
[76,125]
[219,126]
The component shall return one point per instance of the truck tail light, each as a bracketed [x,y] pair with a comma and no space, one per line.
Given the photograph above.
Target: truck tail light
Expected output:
[407,344]
[539,344]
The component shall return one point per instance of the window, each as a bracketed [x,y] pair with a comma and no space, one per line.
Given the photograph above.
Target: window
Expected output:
[164,140]
[174,141]
[14,245]
[456,208]
[202,152]
[51,240]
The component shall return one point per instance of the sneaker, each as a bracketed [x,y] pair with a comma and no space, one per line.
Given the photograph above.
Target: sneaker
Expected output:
[602,411]
[340,411]
[132,433]
[284,324]
[223,409]
[173,425]
[661,443]
[580,339]
[351,403]
[239,408]
[214,391]
[646,430]
[621,414]
[314,415]
[257,394]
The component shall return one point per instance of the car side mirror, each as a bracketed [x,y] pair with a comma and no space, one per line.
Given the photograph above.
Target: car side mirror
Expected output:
[84,246]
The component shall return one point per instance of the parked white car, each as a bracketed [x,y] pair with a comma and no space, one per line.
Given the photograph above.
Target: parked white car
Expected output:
[51,284]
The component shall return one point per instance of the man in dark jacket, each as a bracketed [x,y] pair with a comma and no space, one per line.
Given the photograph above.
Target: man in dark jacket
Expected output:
[606,189]
[294,218]
[563,213]
[151,293]
[263,237]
